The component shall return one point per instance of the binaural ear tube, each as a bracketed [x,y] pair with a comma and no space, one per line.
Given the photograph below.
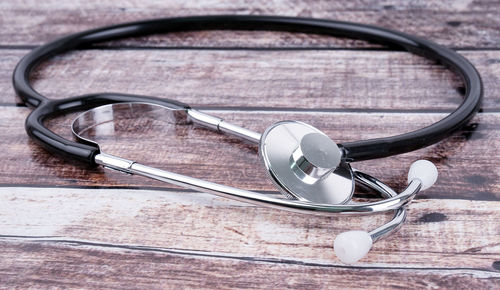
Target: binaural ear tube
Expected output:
[351,246]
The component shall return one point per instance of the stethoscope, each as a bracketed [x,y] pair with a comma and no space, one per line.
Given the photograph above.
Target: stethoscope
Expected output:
[308,168]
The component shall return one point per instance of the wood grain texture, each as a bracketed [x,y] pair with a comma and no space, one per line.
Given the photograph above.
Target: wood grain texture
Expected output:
[75,265]
[110,232]
[205,154]
[120,229]
[452,23]
[326,80]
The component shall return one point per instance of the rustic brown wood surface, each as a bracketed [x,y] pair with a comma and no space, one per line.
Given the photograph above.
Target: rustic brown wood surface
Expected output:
[471,24]
[335,79]
[123,237]
[66,225]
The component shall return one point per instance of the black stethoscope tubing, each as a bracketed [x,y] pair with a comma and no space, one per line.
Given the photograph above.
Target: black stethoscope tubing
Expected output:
[353,151]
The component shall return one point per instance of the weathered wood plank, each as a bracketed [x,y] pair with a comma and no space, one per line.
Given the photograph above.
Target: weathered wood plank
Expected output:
[439,234]
[45,265]
[452,23]
[218,158]
[95,267]
[361,80]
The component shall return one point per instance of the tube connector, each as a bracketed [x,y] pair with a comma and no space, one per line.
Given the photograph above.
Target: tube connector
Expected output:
[221,126]
[114,162]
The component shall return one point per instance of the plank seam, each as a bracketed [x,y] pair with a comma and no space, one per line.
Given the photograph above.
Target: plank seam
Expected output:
[311,110]
[421,196]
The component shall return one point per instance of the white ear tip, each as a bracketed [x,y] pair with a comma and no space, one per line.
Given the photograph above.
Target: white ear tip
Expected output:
[352,246]
[424,170]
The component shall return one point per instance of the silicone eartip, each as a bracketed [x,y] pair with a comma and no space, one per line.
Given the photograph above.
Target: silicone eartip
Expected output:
[424,170]
[352,246]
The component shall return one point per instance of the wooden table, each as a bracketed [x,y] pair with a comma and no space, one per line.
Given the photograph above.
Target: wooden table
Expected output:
[66,225]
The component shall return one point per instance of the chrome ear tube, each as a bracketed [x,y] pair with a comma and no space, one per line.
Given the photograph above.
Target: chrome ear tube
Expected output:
[305,165]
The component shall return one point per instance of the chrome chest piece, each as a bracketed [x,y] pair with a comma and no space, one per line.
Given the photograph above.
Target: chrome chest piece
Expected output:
[305,165]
